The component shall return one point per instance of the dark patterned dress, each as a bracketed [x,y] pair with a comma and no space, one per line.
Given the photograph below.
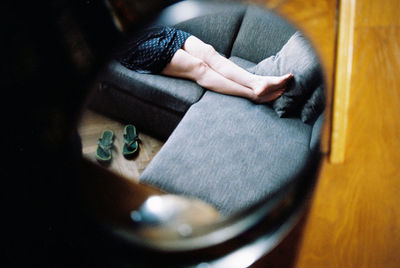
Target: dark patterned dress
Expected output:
[151,50]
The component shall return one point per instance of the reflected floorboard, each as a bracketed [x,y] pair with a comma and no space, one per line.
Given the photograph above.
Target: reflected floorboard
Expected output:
[90,129]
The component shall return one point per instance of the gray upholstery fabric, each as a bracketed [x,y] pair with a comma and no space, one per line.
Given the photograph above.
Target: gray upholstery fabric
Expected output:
[172,93]
[230,153]
[298,57]
[316,133]
[219,30]
[313,106]
[262,34]
[245,64]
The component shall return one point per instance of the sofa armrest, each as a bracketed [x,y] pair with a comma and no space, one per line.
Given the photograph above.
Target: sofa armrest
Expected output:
[168,92]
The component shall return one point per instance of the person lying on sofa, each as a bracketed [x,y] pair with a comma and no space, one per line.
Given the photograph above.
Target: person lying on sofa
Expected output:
[172,52]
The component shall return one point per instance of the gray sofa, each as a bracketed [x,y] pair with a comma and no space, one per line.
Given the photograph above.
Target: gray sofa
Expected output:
[222,149]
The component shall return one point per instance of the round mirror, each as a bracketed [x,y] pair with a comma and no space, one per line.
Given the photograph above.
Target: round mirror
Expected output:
[211,151]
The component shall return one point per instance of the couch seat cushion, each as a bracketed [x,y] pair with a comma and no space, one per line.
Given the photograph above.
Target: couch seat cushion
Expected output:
[230,153]
[167,92]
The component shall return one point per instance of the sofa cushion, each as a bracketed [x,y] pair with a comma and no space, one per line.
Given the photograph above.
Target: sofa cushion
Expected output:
[262,34]
[317,133]
[313,106]
[167,92]
[220,29]
[298,57]
[230,153]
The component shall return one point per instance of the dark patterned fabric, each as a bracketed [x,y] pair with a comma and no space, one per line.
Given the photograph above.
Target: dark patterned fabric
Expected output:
[151,50]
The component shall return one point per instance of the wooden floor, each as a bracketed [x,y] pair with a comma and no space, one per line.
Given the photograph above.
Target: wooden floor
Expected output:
[353,218]
[90,129]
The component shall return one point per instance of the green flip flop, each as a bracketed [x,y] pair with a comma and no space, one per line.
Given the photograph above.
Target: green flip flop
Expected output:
[131,141]
[105,143]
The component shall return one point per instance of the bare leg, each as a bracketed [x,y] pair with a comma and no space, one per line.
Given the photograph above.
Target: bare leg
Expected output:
[261,85]
[184,65]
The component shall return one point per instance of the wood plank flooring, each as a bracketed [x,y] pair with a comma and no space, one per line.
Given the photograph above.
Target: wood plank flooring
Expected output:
[90,129]
[354,218]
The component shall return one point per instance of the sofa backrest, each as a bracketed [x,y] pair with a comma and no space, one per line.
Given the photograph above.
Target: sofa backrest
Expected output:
[218,29]
[261,34]
[248,32]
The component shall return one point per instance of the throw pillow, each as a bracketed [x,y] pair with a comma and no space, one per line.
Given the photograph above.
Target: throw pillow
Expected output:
[314,106]
[298,57]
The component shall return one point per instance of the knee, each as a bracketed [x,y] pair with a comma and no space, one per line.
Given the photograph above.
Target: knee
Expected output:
[209,51]
[199,70]
[200,67]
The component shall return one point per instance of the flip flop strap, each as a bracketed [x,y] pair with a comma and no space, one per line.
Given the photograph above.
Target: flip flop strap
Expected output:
[130,142]
[104,146]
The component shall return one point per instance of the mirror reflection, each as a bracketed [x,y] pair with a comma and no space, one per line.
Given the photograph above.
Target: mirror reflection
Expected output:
[218,105]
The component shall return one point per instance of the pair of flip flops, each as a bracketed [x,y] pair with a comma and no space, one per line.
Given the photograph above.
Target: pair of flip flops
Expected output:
[106,142]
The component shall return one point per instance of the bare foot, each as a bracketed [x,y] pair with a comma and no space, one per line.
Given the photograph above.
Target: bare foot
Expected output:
[269,88]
